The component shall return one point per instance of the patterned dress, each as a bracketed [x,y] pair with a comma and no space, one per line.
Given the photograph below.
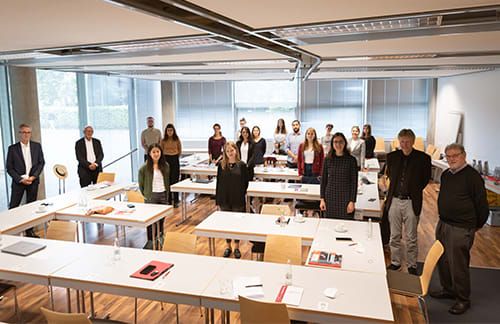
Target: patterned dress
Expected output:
[339,185]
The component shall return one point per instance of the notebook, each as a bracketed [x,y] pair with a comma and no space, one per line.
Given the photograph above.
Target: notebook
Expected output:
[152,270]
[290,295]
[250,287]
[23,248]
[325,259]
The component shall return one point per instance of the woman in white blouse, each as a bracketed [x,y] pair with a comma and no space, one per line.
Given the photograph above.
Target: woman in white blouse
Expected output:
[357,147]
[154,184]
[280,137]
[246,147]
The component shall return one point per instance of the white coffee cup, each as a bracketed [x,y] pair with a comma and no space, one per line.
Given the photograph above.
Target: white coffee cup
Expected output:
[42,208]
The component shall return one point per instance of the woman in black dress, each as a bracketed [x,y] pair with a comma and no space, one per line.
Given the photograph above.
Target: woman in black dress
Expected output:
[246,150]
[260,145]
[370,141]
[339,182]
[231,189]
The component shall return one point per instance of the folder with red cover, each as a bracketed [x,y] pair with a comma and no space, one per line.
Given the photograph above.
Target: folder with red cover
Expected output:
[152,270]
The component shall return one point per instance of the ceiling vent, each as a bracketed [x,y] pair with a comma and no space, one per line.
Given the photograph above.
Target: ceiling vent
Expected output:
[88,50]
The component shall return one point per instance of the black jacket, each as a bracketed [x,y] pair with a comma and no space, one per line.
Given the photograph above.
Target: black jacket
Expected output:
[15,162]
[419,174]
[232,184]
[81,154]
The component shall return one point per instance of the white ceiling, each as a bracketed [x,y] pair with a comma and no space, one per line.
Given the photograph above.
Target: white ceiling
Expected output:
[42,24]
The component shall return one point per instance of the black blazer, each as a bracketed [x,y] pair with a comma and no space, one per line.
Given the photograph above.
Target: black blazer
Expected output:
[251,153]
[15,162]
[419,174]
[81,154]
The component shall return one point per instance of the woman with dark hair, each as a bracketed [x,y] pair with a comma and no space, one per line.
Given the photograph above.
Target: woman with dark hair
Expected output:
[310,157]
[339,182]
[154,185]
[215,145]
[246,149]
[172,149]
[370,141]
[231,188]
[280,137]
[260,145]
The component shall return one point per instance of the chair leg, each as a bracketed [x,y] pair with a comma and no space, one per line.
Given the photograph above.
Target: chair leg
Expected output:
[135,310]
[423,307]
[16,306]
[177,313]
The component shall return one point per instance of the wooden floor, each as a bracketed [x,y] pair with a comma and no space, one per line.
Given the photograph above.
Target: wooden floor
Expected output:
[485,253]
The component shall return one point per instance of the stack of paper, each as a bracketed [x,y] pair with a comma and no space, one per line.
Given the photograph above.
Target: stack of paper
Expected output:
[250,287]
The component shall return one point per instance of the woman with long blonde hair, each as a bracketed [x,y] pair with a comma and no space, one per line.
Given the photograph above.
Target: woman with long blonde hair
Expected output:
[231,189]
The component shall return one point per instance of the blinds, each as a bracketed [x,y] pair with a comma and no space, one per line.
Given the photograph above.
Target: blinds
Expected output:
[396,104]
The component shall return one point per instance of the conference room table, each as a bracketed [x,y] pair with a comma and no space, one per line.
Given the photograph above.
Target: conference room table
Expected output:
[140,215]
[253,227]
[372,165]
[367,204]
[260,172]
[97,268]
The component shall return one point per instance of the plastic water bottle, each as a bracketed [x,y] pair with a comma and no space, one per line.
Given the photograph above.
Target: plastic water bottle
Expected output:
[486,169]
[480,167]
[288,275]
[370,228]
[116,250]
[83,199]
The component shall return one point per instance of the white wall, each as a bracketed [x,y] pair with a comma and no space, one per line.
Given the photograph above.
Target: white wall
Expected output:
[477,96]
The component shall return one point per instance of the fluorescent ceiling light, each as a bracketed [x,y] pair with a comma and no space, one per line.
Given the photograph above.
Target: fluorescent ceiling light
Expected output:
[256,62]
[354,58]
[23,56]
[386,57]
[159,44]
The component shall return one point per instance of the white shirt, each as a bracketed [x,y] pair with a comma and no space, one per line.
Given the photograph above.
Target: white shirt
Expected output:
[158,183]
[90,151]
[244,152]
[309,156]
[25,148]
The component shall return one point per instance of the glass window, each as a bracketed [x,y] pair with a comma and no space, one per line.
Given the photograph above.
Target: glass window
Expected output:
[262,103]
[108,100]
[339,102]
[4,140]
[58,105]
[396,104]
[201,104]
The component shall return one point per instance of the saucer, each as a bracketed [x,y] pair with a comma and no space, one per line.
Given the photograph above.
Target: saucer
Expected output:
[340,230]
[299,220]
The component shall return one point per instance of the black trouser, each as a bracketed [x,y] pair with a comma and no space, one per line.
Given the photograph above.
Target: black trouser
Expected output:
[17,192]
[234,209]
[453,266]
[156,198]
[173,178]
[87,176]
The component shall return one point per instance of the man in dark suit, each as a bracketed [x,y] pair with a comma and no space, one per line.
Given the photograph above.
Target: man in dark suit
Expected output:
[24,164]
[409,171]
[89,155]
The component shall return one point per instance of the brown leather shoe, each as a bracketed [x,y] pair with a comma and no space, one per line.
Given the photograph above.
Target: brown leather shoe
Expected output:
[459,308]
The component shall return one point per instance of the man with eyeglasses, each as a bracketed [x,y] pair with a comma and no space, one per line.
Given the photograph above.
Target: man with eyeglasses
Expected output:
[24,164]
[463,209]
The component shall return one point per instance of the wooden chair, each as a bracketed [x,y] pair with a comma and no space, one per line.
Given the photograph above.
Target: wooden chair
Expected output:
[379,144]
[258,312]
[419,144]
[394,144]
[281,248]
[64,318]
[430,149]
[61,230]
[134,196]
[105,176]
[276,210]
[181,243]
[5,288]
[405,284]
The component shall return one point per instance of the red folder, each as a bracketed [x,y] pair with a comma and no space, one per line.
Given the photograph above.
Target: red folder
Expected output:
[152,270]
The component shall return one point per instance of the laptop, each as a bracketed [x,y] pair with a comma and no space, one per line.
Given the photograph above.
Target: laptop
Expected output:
[23,248]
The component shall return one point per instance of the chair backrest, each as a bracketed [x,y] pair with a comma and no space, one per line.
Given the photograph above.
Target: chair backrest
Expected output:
[281,248]
[62,230]
[419,144]
[437,154]
[180,242]
[105,176]
[379,144]
[431,260]
[64,318]
[135,196]
[258,312]
[394,144]
[276,210]
[430,149]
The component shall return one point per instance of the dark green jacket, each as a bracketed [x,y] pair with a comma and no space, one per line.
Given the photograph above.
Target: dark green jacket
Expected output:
[146,181]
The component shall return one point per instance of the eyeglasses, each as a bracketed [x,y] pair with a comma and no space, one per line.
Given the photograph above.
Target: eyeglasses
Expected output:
[24,132]
[453,156]
[338,142]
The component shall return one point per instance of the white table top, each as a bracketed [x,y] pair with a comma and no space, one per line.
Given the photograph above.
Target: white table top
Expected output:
[37,267]
[372,164]
[259,171]
[278,157]
[366,256]
[187,185]
[99,272]
[254,227]
[360,296]
[194,158]
[142,215]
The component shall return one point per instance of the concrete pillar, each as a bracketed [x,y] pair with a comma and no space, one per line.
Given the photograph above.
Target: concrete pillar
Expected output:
[167,102]
[24,99]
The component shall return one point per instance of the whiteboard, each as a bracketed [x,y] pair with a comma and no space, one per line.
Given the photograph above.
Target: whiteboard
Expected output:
[450,135]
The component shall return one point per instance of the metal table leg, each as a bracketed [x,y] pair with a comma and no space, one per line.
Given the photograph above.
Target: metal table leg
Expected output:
[184,216]
[84,235]
[68,299]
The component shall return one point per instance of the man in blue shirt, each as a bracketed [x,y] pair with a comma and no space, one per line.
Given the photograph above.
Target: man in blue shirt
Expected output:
[293,141]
